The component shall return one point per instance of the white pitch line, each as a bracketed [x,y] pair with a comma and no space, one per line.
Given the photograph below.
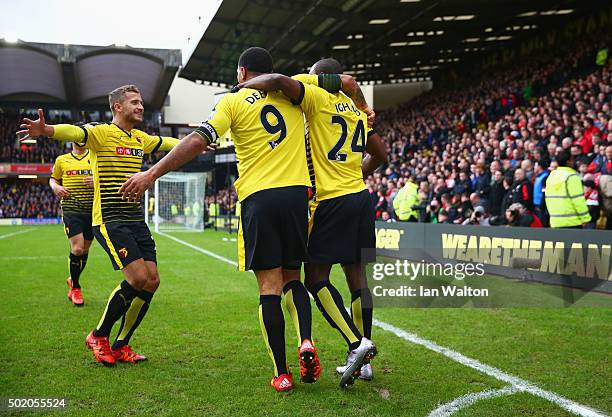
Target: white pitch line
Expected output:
[199,249]
[15,233]
[516,383]
[448,409]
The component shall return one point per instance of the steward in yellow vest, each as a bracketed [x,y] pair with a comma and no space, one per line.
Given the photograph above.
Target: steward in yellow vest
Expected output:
[404,200]
[565,195]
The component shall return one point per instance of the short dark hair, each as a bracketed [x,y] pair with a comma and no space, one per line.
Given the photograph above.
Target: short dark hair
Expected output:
[562,158]
[256,59]
[327,66]
[118,94]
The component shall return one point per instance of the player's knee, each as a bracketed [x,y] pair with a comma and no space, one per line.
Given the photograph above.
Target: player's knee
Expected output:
[78,250]
[152,282]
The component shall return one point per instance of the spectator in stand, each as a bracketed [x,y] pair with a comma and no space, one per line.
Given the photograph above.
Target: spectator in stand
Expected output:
[518,215]
[591,195]
[539,185]
[522,190]
[497,193]
[482,182]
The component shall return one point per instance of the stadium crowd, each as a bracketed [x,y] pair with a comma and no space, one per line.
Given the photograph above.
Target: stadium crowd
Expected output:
[26,199]
[480,155]
[476,154]
[45,151]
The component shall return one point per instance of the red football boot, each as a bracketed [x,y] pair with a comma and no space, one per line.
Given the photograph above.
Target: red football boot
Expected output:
[282,383]
[100,348]
[310,367]
[74,294]
[126,354]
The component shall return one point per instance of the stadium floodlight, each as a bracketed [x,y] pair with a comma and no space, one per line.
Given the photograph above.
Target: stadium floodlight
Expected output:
[489,30]
[379,21]
[409,1]
[527,14]
[393,44]
[454,18]
[556,12]
[341,46]
[416,43]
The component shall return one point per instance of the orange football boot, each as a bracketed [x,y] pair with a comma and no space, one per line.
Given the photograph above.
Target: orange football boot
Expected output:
[126,354]
[74,294]
[310,367]
[100,348]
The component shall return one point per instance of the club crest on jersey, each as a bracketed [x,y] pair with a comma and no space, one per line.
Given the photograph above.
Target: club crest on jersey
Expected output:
[119,150]
[123,252]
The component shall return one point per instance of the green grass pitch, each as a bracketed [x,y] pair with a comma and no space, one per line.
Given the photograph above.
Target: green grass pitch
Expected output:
[207,357]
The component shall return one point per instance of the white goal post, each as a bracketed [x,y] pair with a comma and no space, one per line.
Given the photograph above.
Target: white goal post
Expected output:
[177,202]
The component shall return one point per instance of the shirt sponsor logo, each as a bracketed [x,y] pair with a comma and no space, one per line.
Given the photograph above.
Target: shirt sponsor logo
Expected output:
[79,172]
[129,151]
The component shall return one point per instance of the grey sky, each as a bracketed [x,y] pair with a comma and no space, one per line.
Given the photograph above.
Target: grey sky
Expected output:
[138,23]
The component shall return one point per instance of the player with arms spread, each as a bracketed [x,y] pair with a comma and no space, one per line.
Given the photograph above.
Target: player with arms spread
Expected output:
[116,152]
[342,220]
[72,181]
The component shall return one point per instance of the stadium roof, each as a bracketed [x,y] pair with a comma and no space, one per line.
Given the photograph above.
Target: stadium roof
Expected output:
[377,40]
[78,76]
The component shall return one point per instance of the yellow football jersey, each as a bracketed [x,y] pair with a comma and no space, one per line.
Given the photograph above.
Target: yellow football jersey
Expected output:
[114,154]
[268,132]
[338,134]
[70,170]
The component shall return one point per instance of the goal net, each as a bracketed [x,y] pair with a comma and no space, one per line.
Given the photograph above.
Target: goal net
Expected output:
[177,202]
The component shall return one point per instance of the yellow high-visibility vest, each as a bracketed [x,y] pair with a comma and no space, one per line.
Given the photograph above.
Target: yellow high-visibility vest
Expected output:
[565,199]
[602,57]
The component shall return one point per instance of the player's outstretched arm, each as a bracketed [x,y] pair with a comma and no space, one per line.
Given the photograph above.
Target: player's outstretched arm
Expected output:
[377,155]
[275,82]
[184,151]
[36,128]
[353,91]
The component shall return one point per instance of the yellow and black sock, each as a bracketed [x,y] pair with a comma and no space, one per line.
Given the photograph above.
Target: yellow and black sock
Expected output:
[132,318]
[329,301]
[118,303]
[361,311]
[298,305]
[74,266]
[272,324]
